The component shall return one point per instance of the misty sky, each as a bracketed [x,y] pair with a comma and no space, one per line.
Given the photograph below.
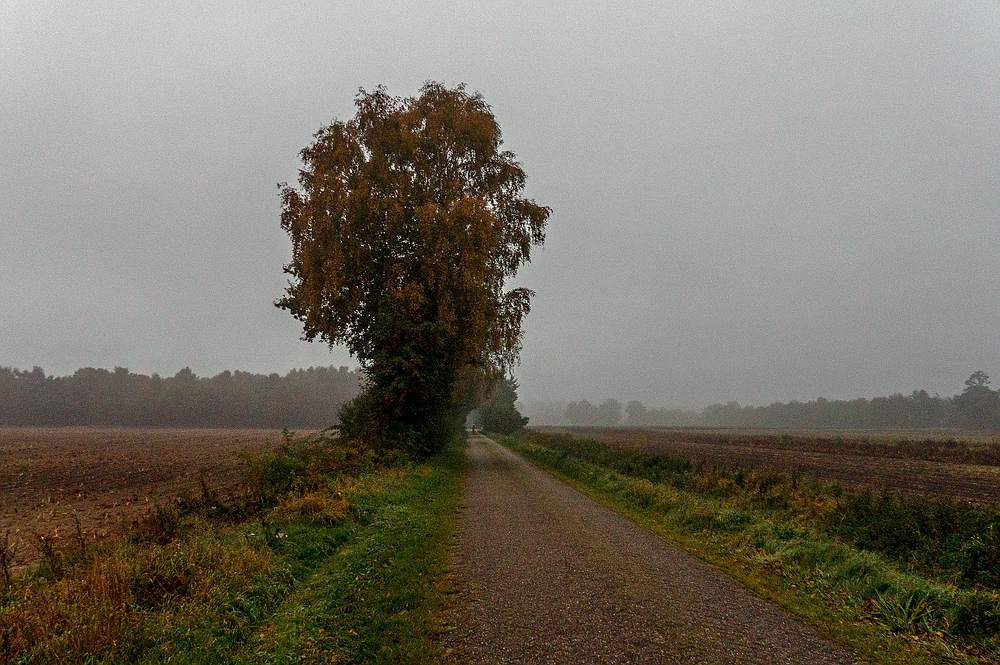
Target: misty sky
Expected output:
[752,201]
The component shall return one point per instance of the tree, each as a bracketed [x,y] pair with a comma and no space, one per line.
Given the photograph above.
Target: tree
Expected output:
[978,405]
[407,224]
[635,413]
[580,413]
[978,379]
[499,413]
[609,413]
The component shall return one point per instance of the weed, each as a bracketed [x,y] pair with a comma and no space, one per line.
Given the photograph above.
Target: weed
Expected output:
[767,485]
[643,492]
[162,526]
[715,481]
[6,645]
[153,589]
[53,563]
[977,615]
[979,557]
[6,563]
[313,507]
[81,542]
[303,465]
[911,613]
[732,520]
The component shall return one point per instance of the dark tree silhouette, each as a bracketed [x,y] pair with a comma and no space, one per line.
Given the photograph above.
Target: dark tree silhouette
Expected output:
[499,413]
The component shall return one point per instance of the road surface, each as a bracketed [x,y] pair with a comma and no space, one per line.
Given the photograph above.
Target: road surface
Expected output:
[546,575]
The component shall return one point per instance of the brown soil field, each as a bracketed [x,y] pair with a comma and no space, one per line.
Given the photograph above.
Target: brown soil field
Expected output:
[108,477]
[855,464]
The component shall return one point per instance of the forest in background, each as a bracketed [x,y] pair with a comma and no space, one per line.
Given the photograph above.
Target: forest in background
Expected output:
[302,398]
[976,407]
[311,398]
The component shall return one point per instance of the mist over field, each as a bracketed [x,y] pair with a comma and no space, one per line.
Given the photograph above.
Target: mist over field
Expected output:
[752,201]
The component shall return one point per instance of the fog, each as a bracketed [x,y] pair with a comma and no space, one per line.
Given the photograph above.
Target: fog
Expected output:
[752,201]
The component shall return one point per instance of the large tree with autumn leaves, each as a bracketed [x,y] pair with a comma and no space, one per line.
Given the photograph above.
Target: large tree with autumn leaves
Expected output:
[407,224]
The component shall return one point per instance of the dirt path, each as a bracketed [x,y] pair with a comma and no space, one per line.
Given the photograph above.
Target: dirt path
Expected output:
[546,575]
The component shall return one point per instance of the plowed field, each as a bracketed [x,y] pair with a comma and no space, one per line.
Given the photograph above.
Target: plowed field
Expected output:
[861,465]
[108,477]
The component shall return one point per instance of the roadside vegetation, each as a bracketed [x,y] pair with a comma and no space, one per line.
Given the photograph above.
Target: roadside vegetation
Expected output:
[899,579]
[920,465]
[332,554]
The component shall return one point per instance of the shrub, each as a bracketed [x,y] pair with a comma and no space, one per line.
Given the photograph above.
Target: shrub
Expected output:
[305,465]
[980,557]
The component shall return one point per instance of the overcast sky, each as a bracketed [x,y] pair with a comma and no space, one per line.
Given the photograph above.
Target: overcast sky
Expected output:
[752,201]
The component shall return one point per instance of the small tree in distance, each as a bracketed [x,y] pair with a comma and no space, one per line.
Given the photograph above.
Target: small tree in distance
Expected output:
[978,405]
[498,413]
[607,414]
[406,225]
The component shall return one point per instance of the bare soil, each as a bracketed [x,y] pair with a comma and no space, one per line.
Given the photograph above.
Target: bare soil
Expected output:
[546,575]
[108,477]
[852,466]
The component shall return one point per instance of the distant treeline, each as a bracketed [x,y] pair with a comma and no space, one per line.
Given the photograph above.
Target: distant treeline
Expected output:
[610,413]
[303,398]
[978,406]
[978,410]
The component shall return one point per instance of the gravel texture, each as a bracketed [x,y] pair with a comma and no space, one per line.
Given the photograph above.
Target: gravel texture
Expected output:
[546,575]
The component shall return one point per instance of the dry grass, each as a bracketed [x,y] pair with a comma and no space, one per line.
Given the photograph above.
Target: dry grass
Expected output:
[108,598]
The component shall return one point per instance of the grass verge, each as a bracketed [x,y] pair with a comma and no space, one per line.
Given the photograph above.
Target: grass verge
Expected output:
[777,533]
[334,556]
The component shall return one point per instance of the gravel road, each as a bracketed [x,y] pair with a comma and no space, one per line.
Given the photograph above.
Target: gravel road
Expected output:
[546,575]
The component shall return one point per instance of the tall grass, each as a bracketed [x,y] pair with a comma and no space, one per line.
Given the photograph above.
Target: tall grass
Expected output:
[945,539]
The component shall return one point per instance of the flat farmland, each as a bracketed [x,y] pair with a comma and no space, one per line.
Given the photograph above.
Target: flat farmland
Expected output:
[915,464]
[108,477]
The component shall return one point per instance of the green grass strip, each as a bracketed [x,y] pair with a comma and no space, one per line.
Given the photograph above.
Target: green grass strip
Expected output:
[376,600]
